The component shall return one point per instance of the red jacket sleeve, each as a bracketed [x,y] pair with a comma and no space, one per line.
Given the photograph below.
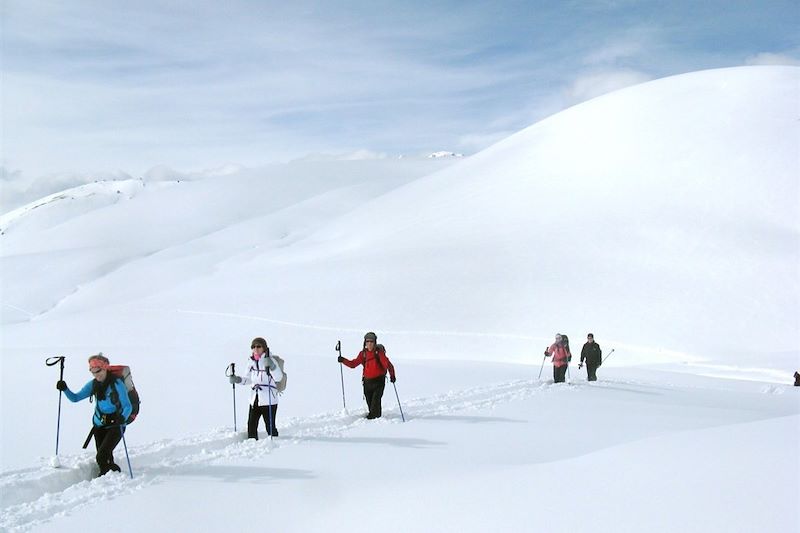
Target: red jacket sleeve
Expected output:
[387,364]
[352,363]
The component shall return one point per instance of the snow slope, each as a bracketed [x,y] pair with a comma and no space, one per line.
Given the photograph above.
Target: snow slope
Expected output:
[661,214]
[663,217]
[634,451]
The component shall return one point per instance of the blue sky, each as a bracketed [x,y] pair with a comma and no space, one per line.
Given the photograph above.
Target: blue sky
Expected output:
[103,86]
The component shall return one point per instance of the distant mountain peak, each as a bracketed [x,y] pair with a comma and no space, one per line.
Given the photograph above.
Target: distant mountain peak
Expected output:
[436,155]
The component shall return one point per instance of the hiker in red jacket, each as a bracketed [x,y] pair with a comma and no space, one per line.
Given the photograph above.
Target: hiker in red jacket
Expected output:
[561,357]
[375,362]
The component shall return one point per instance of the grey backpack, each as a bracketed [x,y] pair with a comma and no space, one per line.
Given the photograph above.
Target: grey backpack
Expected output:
[282,383]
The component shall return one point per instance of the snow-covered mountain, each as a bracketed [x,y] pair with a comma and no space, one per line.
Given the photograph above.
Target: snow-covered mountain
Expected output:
[444,153]
[662,217]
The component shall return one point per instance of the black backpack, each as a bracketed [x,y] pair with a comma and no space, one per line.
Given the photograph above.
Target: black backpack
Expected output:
[122,373]
[565,343]
[379,349]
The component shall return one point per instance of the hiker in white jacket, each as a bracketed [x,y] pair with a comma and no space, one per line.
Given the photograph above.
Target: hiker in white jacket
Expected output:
[263,375]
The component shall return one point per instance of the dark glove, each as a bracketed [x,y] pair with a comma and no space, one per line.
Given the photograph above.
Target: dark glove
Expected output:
[61,385]
[546,354]
[392,379]
[235,379]
[340,359]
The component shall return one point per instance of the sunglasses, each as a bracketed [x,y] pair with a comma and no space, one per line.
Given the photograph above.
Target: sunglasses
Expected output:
[95,370]
[253,347]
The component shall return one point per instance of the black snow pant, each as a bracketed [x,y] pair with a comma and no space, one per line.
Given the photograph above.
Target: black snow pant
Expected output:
[373,393]
[105,440]
[559,374]
[267,412]
[591,370]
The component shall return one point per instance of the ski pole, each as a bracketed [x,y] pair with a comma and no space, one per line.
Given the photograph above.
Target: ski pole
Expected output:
[88,438]
[606,357]
[568,376]
[341,373]
[125,444]
[269,410]
[542,367]
[232,368]
[398,402]
[52,361]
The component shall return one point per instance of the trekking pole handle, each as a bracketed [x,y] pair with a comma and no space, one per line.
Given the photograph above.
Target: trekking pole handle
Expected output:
[339,347]
[232,369]
[52,361]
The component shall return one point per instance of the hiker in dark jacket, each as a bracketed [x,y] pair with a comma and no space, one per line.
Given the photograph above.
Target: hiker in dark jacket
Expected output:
[375,362]
[593,355]
[112,409]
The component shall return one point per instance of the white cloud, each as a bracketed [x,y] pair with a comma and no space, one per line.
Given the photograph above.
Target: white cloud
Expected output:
[597,83]
[356,155]
[768,58]
[475,142]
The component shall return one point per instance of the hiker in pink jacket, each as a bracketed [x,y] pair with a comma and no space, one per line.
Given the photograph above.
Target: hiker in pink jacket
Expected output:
[559,350]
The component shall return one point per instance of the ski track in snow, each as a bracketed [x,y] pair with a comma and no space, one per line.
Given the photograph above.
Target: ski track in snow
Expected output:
[36,495]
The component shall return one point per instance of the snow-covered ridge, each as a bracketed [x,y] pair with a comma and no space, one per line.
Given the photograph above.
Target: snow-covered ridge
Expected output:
[87,197]
[632,179]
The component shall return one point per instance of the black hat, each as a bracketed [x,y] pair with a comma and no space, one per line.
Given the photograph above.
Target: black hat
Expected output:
[370,336]
[259,341]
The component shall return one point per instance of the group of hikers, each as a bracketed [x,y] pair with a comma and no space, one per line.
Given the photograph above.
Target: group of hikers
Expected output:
[116,405]
[115,408]
[591,354]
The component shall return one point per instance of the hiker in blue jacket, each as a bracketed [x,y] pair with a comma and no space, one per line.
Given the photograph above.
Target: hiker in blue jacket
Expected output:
[112,409]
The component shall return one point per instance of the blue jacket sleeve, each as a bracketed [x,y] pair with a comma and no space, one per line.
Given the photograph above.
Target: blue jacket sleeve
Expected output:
[82,394]
[124,400]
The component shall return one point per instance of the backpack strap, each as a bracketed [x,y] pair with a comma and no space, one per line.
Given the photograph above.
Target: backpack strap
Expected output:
[379,349]
[377,356]
[115,396]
